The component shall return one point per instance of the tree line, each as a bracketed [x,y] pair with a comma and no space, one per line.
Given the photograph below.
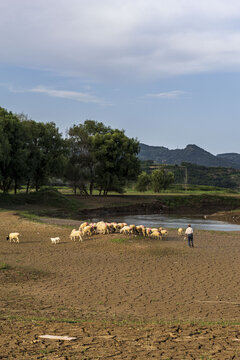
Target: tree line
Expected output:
[157,180]
[197,174]
[91,156]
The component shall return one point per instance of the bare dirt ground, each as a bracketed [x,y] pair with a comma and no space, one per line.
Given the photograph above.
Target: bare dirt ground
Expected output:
[122,299]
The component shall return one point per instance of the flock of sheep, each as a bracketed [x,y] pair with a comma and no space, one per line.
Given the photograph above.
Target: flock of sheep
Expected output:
[101,227]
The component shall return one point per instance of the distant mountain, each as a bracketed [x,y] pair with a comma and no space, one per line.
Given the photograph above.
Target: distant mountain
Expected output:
[233,157]
[191,154]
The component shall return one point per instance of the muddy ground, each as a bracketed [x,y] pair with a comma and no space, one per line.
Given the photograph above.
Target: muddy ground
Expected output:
[122,298]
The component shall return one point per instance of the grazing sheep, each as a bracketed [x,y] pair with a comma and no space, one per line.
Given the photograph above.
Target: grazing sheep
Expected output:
[88,230]
[148,231]
[126,230]
[114,227]
[156,235]
[121,225]
[76,234]
[82,226]
[110,228]
[13,237]
[102,228]
[164,232]
[55,240]
[93,228]
[133,229]
[140,230]
[154,229]
[180,231]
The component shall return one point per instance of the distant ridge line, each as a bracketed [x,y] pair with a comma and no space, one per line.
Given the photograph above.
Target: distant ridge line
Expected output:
[190,154]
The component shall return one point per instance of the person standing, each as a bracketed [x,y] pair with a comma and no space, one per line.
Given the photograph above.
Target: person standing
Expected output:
[189,233]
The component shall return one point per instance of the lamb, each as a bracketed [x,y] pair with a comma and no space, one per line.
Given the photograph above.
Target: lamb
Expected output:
[180,231]
[55,240]
[76,234]
[13,237]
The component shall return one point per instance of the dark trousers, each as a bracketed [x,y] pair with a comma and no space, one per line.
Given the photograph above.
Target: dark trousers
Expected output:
[190,240]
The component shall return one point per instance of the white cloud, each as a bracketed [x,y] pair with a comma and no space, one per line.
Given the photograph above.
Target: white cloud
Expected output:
[65,94]
[128,39]
[166,95]
[72,95]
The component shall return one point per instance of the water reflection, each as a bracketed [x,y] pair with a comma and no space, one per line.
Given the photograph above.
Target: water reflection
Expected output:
[174,221]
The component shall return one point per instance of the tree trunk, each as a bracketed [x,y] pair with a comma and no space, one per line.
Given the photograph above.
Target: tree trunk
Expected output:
[6,185]
[91,187]
[15,187]
[85,191]
[28,185]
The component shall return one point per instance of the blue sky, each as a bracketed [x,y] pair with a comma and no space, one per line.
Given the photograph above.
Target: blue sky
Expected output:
[166,71]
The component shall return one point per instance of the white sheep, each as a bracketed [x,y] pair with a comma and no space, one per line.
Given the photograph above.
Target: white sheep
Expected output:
[148,231]
[126,230]
[82,226]
[156,235]
[88,230]
[76,234]
[102,228]
[133,229]
[164,232]
[140,229]
[180,231]
[13,237]
[55,240]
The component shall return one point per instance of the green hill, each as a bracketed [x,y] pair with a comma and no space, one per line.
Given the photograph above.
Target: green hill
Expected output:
[190,154]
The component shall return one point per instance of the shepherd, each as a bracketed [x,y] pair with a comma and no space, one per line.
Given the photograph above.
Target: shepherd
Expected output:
[189,233]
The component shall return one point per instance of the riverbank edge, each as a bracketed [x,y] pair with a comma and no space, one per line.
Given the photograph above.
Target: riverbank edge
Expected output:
[232,216]
[209,207]
[53,204]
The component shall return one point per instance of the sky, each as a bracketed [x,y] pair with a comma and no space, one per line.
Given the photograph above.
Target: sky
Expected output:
[165,71]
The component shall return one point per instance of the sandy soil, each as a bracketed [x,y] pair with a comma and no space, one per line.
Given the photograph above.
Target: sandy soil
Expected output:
[132,299]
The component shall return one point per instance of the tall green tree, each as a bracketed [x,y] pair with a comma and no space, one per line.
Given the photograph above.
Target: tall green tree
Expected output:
[106,156]
[143,182]
[13,151]
[117,159]
[161,179]
[82,164]
[47,152]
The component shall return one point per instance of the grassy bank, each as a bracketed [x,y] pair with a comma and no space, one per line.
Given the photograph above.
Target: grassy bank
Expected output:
[53,203]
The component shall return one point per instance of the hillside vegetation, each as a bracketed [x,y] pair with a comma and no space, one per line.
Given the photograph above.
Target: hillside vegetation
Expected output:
[192,174]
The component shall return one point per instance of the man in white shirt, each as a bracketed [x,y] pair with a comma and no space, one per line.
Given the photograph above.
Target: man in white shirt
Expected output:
[189,233]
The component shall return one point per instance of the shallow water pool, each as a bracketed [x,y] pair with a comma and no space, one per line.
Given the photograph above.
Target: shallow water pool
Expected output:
[173,221]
